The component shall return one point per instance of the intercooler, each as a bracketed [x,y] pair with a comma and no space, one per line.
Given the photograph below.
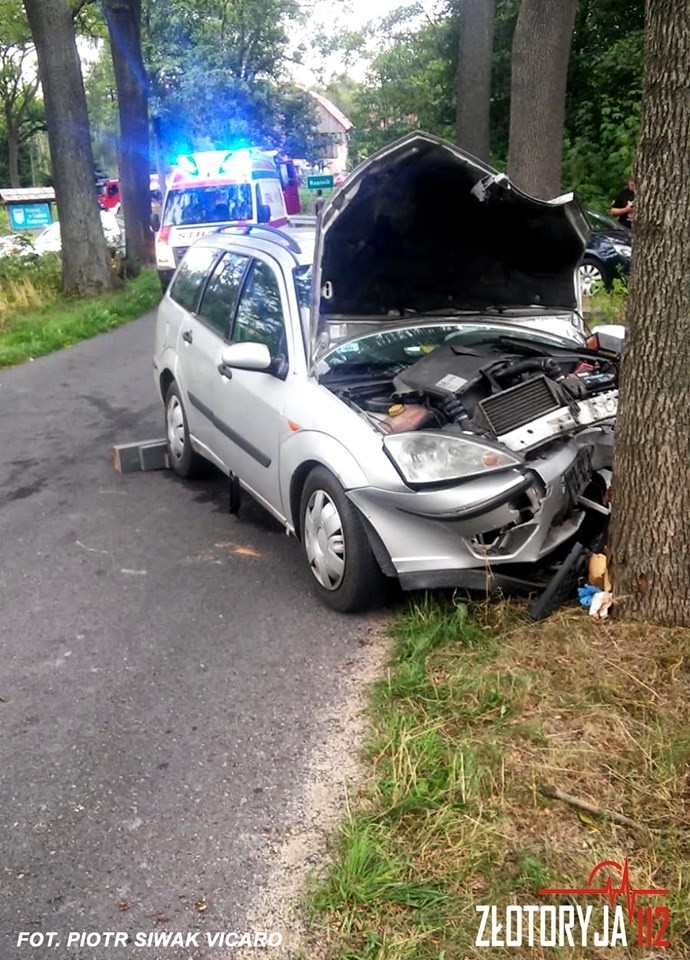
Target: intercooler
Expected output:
[518,405]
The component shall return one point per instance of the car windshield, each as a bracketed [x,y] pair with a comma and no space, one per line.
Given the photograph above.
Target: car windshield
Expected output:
[599,221]
[393,350]
[196,205]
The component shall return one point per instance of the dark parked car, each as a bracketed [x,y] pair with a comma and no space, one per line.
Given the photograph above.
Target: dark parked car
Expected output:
[607,256]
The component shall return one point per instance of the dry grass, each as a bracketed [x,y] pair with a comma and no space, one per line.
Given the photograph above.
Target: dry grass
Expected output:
[27,283]
[475,716]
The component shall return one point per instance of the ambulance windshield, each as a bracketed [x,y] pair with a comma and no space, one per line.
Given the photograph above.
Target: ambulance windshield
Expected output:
[208,204]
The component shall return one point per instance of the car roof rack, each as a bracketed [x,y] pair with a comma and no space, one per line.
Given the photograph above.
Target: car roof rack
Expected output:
[274,233]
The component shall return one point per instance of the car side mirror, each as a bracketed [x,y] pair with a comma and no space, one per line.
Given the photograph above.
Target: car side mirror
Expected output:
[155,222]
[263,214]
[244,356]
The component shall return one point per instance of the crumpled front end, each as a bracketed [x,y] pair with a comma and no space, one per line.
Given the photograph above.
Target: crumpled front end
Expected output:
[460,535]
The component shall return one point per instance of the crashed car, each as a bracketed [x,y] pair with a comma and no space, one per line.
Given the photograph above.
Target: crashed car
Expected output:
[410,390]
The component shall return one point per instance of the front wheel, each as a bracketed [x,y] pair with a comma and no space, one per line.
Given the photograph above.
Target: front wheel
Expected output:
[591,278]
[347,577]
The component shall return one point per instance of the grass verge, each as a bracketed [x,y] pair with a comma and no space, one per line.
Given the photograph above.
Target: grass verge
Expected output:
[29,331]
[480,709]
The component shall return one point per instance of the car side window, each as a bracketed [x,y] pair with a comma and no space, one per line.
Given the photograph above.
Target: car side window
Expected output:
[186,286]
[220,297]
[260,312]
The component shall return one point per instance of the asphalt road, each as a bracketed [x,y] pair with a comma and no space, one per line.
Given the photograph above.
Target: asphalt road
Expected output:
[163,667]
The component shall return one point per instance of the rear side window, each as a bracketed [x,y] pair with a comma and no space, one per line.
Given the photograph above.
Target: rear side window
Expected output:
[190,277]
[220,297]
[260,313]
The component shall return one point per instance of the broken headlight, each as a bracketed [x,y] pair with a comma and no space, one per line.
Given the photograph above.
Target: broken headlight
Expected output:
[436,457]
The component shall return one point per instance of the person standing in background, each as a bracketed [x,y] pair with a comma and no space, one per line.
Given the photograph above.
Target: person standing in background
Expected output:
[319,202]
[623,204]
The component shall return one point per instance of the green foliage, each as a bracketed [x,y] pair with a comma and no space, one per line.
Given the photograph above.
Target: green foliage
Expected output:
[27,281]
[101,99]
[608,306]
[14,27]
[604,97]
[218,78]
[411,84]
[22,115]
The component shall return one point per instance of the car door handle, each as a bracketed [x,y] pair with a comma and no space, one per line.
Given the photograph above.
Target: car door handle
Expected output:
[188,336]
[225,371]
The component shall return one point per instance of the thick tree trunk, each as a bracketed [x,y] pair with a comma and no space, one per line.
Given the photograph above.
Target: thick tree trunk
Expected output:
[541,47]
[651,494]
[86,268]
[473,89]
[124,26]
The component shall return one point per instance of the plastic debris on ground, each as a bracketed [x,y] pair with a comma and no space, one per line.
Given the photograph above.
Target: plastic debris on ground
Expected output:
[596,595]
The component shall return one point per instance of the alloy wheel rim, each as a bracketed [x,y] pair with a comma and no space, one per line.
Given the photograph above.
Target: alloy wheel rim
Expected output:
[324,540]
[175,428]
[590,279]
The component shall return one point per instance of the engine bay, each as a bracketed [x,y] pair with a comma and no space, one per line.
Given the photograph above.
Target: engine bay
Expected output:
[489,389]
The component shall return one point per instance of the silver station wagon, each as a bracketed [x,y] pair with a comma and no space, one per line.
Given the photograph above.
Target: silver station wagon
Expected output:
[406,385]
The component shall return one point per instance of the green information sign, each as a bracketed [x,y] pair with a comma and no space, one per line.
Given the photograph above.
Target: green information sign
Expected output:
[320,183]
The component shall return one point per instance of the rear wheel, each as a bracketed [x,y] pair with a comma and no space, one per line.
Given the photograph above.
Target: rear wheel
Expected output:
[183,460]
[347,577]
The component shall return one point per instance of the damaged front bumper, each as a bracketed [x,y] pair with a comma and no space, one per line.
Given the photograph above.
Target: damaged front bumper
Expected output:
[457,535]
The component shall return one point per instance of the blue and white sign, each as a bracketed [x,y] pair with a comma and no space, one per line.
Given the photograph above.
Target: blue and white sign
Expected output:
[29,216]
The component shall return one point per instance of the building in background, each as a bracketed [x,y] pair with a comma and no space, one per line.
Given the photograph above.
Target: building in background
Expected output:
[334,126]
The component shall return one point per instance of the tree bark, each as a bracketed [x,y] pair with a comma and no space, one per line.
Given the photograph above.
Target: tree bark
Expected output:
[124,26]
[473,88]
[86,268]
[541,47]
[650,537]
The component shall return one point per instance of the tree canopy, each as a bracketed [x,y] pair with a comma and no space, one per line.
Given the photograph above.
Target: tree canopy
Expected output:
[218,74]
[411,79]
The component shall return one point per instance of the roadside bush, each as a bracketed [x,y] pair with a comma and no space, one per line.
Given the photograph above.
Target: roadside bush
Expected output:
[608,306]
[28,282]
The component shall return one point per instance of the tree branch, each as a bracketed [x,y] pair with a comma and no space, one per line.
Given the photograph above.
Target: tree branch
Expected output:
[549,790]
[80,6]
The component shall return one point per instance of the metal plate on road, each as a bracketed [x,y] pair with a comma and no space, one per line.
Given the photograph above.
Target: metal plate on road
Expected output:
[320,183]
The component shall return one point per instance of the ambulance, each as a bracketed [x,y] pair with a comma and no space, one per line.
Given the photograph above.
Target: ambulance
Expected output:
[212,189]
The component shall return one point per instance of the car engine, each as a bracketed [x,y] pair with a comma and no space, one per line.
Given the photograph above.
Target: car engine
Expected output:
[498,392]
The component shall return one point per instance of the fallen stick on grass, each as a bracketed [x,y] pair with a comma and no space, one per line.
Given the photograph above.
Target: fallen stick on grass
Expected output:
[548,790]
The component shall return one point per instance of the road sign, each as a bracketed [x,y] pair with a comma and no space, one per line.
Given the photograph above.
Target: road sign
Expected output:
[29,216]
[320,183]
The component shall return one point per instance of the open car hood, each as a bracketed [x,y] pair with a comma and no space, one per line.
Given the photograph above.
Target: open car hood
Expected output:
[424,227]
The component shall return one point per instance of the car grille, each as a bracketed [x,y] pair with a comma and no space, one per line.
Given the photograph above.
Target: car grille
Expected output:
[178,253]
[518,405]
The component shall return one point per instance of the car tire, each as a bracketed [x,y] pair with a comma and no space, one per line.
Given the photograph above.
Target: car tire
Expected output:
[346,576]
[183,460]
[591,277]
